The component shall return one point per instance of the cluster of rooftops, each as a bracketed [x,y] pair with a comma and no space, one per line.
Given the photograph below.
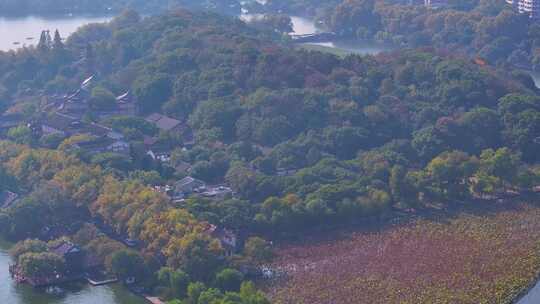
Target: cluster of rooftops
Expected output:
[63,115]
[190,186]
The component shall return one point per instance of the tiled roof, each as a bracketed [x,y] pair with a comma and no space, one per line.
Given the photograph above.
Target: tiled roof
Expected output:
[186,180]
[59,121]
[101,142]
[65,248]
[123,96]
[163,122]
[149,141]
[7,198]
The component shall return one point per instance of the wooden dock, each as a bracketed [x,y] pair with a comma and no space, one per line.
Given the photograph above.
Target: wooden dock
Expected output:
[154,300]
[100,283]
[315,37]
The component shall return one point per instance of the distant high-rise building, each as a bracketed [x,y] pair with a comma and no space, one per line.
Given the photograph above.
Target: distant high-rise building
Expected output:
[530,7]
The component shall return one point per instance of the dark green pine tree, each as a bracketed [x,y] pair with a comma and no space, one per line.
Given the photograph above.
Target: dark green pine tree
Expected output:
[57,42]
[43,44]
[49,39]
[89,57]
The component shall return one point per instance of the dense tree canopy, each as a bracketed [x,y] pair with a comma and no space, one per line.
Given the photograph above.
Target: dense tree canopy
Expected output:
[304,139]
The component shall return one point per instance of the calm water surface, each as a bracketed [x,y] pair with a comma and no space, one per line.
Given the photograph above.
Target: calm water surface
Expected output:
[305,26]
[11,293]
[13,30]
[533,297]
[301,26]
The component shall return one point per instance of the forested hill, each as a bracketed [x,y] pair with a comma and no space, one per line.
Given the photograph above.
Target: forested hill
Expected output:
[305,140]
[99,7]
[257,107]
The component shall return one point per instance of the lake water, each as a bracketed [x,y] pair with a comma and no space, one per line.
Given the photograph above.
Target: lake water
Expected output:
[11,293]
[13,30]
[301,26]
[305,26]
[533,297]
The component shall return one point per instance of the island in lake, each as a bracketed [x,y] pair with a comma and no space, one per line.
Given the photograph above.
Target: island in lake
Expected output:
[196,157]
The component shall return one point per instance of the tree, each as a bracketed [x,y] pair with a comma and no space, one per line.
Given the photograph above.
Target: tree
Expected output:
[57,41]
[515,103]
[242,180]
[428,143]
[249,294]
[164,276]
[346,141]
[112,160]
[220,113]
[4,224]
[523,134]
[44,43]
[485,184]
[126,18]
[400,185]
[127,263]
[20,226]
[152,90]
[499,48]
[502,164]
[150,178]
[103,248]
[41,265]
[481,129]
[122,123]
[194,291]
[28,246]
[51,141]
[90,58]
[203,170]
[102,99]
[6,180]
[352,15]
[197,254]
[374,202]
[521,116]
[449,174]
[276,22]
[179,282]
[209,296]
[229,279]
[86,234]
[21,135]
[165,230]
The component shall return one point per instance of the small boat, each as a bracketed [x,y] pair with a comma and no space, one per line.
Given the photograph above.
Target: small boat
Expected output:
[55,291]
[29,38]
[16,43]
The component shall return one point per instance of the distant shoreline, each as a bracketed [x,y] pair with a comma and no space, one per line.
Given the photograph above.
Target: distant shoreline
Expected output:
[57,16]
